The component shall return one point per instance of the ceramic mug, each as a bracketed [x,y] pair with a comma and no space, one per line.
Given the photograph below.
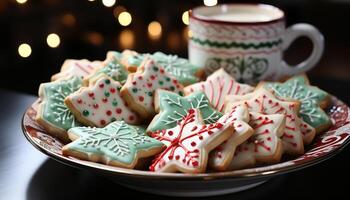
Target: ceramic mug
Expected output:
[248,41]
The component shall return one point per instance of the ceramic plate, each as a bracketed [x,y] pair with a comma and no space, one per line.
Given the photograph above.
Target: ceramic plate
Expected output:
[323,147]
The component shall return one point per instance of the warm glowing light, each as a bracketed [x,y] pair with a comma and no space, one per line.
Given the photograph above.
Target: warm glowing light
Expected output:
[174,40]
[126,39]
[21,1]
[124,18]
[108,3]
[68,20]
[185,17]
[117,10]
[210,2]
[186,33]
[91,0]
[154,30]
[94,38]
[53,40]
[24,50]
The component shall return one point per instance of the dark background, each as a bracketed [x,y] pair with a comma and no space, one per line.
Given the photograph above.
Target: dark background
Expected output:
[89,29]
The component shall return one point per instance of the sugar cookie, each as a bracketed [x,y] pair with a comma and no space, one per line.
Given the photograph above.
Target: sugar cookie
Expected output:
[81,68]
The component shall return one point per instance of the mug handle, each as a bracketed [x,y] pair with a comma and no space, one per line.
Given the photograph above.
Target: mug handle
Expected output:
[292,33]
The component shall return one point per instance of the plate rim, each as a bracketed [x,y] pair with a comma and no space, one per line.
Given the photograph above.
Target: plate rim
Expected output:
[236,174]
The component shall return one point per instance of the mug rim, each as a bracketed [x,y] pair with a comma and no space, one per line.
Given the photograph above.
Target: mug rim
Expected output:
[208,20]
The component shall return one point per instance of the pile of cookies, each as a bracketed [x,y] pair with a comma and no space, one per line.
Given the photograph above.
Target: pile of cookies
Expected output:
[159,110]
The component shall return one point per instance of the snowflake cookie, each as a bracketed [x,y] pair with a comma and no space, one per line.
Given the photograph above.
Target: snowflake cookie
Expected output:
[52,113]
[221,157]
[173,107]
[189,143]
[265,146]
[264,102]
[100,104]
[185,72]
[111,68]
[81,68]
[139,89]
[217,86]
[312,100]
[118,144]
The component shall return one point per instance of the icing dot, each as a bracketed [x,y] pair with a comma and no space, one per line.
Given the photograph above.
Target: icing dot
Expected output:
[107,94]
[195,163]
[170,157]
[177,157]
[95,106]
[85,113]
[172,88]
[160,82]
[194,128]
[112,90]
[107,81]
[131,118]
[150,94]
[101,85]
[113,119]
[193,144]
[115,102]
[161,70]
[149,84]
[80,101]
[167,79]
[200,137]
[140,77]
[181,93]
[109,113]
[170,133]
[118,110]
[102,122]
[155,69]
[91,94]
[104,100]
[141,98]
[134,82]
[175,81]
[134,90]
[152,77]
[119,88]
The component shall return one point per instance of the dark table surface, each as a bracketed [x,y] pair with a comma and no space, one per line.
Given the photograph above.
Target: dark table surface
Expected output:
[26,173]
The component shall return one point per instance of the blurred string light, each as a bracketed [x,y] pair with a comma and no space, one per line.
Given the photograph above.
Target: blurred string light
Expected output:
[68,19]
[108,3]
[91,0]
[154,30]
[24,50]
[185,17]
[94,38]
[186,33]
[117,10]
[126,39]
[53,40]
[124,18]
[210,2]
[174,40]
[21,1]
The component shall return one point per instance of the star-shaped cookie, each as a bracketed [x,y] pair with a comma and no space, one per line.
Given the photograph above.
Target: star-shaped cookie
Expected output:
[100,104]
[80,68]
[173,107]
[188,144]
[221,157]
[117,144]
[217,86]
[265,146]
[264,102]
[311,98]
[139,89]
[52,113]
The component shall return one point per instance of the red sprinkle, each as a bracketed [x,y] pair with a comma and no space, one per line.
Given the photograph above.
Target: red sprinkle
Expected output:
[118,110]
[109,113]
[101,85]
[102,122]
[112,90]
[141,98]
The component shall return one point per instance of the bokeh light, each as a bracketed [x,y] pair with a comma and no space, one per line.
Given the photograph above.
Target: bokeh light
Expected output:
[154,30]
[21,1]
[94,38]
[108,3]
[185,17]
[124,18]
[53,40]
[69,20]
[174,40]
[117,10]
[210,2]
[126,39]
[24,50]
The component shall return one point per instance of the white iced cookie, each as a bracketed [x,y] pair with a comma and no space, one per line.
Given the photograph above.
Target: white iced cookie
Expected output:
[80,68]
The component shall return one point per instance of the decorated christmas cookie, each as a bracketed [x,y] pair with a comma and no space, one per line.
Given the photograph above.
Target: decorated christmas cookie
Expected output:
[112,68]
[114,54]
[185,72]
[100,104]
[310,97]
[139,89]
[132,60]
[117,144]
[264,102]
[81,68]
[221,157]
[265,146]
[188,144]
[173,107]
[217,86]
[52,113]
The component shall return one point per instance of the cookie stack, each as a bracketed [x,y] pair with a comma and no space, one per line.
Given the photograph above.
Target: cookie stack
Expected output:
[133,108]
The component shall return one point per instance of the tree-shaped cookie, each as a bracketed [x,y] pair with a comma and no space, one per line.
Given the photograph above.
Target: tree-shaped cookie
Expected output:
[221,157]
[265,146]
[312,99]
[52,113]
[185,72]
[117,144]
[188,144]
[264,102]
[217,86]
[173,107]
[139,89]
[111,68]
[81,68]
[100,104]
